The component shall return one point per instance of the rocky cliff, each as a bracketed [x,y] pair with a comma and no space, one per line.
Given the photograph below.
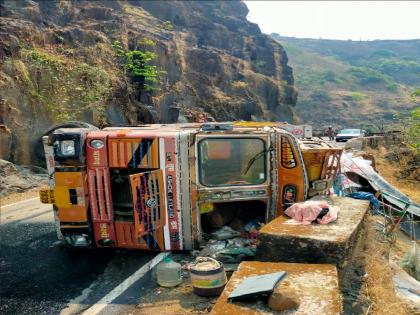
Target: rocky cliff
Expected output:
[67,60]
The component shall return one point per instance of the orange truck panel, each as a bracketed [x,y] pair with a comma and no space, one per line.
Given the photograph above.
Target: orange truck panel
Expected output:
[291,175]
[136,153]
[70,194]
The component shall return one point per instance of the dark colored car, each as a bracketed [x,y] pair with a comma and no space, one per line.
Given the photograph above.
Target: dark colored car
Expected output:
[346,134]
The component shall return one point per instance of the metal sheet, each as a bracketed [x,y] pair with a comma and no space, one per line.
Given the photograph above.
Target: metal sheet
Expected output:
[257,285]
[359,166]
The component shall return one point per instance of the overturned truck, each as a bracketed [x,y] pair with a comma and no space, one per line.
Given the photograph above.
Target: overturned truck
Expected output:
[149,187]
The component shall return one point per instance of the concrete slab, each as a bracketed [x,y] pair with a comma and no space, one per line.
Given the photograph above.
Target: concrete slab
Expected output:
[315,284]
[281,240]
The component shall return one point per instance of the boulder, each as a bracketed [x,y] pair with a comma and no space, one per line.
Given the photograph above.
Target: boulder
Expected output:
[15,178]
[7,168]
[283,299]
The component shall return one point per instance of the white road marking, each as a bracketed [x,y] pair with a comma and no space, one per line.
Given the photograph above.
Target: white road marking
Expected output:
[16,203]
[101,304]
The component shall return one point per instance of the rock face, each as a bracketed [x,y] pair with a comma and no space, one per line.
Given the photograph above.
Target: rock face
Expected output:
[58,63]
[14,178]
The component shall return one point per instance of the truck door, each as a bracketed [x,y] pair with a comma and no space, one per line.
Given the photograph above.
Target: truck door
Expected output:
[149,208]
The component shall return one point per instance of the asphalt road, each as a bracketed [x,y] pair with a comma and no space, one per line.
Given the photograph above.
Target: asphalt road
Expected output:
[38,275]
[334,143]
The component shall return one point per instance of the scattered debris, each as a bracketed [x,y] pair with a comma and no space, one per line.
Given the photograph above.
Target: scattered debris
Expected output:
[208,277]
[231,251]
[168,273]
[218,218]
[223,233]
[361,170]
[236,254]
[378,286]
[312,211]
[411,262]
[374,202]
[256,286]
[315,285]
[406,287]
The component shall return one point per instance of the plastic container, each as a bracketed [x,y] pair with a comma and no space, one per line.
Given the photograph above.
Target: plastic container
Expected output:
[208,276]
[168,273]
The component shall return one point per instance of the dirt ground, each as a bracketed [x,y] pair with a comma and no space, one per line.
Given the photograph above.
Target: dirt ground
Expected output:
[16,197]
[373,275]
[390,165]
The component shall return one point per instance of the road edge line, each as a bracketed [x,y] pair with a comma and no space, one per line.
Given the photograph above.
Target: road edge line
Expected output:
[16,203]
[118,290]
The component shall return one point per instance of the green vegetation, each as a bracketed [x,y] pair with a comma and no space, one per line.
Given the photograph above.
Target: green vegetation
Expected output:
[139,63]
[357,96]
[383,103]
[350,83]
[167,25]
[367,76]
[321,96]
[392,87]
[146,41]
[66,88]
[37,57]
[405,71]
[382,53]
[413,133]
[331,76]
[416,93]
[59,39]
[317,79]
[291,49]
[120,52]
[135,11]
[259,64]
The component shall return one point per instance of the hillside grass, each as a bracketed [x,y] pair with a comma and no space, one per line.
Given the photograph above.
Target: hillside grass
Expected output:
[354,84]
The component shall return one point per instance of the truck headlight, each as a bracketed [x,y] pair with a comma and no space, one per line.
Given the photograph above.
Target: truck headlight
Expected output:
[67,148]
[96,144]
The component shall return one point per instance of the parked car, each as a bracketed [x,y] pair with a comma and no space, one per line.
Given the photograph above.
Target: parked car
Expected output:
[346,134]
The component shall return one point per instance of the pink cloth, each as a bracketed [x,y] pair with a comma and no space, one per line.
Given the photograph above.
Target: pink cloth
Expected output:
[308,211]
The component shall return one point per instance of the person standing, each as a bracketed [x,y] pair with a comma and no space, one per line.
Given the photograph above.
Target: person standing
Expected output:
[330,133]
[201,118]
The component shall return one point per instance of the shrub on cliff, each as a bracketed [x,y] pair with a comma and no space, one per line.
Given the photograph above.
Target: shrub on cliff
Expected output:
[139,63]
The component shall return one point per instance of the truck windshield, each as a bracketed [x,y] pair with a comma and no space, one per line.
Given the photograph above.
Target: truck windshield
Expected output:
[232,161]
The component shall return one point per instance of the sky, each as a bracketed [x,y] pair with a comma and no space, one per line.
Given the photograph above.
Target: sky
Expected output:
[355,20]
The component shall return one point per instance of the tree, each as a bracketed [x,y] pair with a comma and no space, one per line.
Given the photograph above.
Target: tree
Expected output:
[139,64]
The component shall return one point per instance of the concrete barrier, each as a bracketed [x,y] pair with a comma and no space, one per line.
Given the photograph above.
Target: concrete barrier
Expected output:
[333,243]
[316,285]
